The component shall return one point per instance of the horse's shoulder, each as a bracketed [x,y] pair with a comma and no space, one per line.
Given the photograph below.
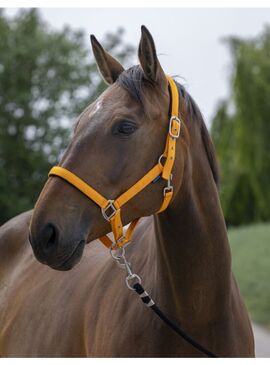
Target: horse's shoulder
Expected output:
[14,234]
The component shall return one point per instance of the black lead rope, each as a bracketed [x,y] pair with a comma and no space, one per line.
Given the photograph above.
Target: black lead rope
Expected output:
[148,301]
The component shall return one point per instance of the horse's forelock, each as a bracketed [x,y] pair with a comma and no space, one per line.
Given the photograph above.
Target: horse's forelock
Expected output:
[133,80]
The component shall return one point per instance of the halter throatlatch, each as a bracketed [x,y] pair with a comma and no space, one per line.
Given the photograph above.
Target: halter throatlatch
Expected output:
[111,209]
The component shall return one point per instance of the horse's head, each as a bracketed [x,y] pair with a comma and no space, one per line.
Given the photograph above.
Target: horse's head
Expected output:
[117,139]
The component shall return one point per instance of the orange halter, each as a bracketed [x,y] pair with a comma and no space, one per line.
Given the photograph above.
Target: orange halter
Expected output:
[111,209]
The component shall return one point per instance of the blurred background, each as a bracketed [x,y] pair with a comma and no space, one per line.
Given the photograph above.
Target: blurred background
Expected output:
[222,56]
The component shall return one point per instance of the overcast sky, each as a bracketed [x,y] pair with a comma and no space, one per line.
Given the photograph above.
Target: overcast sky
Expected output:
[188,40]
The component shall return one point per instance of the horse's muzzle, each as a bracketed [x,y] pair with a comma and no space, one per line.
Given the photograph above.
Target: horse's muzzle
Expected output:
[49,248]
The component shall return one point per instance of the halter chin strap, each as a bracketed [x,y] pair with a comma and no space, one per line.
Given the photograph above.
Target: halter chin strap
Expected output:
[111,209]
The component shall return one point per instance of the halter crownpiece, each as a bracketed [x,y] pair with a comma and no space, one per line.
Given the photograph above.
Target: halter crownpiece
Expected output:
[111,209]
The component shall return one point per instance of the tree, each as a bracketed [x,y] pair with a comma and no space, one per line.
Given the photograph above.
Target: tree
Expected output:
[242,135]
[46,79]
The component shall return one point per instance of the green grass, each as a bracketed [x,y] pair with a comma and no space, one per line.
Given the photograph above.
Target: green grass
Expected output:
[251,266]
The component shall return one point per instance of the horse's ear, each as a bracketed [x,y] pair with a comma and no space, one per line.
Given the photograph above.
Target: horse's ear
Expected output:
[148,58]
[108,66]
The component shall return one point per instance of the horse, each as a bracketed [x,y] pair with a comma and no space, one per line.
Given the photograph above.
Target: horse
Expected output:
[182,254]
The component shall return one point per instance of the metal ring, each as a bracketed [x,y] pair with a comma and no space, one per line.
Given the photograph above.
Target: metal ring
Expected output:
[114,210]
[130,277]
[118,255]
[160,158]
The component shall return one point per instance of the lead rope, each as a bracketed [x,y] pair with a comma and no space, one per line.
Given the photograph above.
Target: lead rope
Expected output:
[120,257]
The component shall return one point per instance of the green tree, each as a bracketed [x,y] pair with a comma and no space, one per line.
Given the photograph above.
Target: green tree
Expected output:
[46,79]
[241,133]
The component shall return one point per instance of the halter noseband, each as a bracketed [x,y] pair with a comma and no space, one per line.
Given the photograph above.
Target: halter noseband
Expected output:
[111,209]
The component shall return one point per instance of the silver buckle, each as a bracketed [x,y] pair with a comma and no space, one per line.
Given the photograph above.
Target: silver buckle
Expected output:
[170,127]
[169,186]
[104,210]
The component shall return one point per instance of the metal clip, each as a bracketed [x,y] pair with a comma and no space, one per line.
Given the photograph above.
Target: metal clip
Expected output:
[169,186]
[118,254]
[131,277]
[121,260]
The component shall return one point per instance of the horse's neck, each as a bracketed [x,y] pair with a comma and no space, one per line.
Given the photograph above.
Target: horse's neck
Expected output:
[193,255]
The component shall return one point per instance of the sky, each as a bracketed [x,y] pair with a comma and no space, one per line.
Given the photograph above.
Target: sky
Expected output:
[190,42]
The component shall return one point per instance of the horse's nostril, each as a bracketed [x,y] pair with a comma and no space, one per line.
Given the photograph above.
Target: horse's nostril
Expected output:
[50,235]
[44,242]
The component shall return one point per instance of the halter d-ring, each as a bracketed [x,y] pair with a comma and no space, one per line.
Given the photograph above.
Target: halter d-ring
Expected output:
[160,159]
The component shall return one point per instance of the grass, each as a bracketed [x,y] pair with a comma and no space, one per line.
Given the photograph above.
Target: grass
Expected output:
[251,265]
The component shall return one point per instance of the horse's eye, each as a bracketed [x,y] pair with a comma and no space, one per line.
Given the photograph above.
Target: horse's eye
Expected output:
[125,128]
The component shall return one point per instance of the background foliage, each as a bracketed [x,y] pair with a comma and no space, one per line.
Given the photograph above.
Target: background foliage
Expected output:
[251,252]
[241,133]
[47,78]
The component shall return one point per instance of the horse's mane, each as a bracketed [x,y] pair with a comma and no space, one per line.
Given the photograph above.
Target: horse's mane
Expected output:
[196,115]
[133,80]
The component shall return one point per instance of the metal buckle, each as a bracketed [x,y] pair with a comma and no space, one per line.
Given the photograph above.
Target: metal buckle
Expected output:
[170,127]
[104,210]
[169,186]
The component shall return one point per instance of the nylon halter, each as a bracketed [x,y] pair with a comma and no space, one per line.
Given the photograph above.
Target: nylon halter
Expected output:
[111,208]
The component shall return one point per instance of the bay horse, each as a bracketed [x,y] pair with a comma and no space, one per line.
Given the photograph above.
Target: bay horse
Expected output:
[181,254]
